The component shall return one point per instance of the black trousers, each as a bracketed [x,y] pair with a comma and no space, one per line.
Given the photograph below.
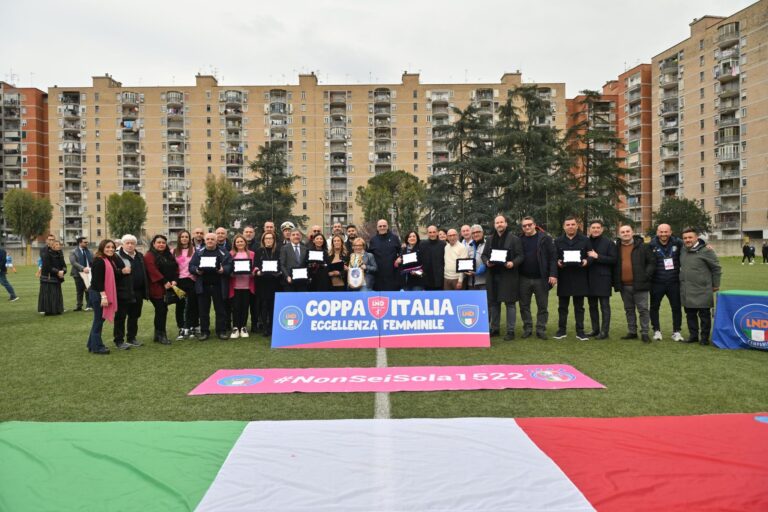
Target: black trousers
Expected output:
[80,291]
[672,292]
[600,306]
[695,315]
[161,314]
[186,310]
[539,289]
[255,306]
[266,307]
[211,293]
[130,312]
[240,305]
[578,310]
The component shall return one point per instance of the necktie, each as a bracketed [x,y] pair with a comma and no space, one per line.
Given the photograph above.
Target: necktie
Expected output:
[297,253]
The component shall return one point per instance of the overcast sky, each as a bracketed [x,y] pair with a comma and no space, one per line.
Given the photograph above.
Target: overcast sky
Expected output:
[162,42]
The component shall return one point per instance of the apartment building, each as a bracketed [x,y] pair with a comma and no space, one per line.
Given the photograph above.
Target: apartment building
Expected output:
[23,145]
[162,142]
[710,102]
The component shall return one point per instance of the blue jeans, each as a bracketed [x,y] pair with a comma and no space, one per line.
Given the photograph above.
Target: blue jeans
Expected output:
[7,285]
[94,338]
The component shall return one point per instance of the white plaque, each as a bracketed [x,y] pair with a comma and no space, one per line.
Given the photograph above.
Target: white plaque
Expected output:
[571,256]
[410,258]
[316,256]
[498,255]
[465,265]
[208,262]
[242,266]
[299,273]
[269,266]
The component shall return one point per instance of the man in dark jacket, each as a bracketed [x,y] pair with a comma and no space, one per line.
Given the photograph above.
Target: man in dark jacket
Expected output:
[600,274]
[666,280]
[293,255]
[765,252]
[573,257]
[385,247]
[432,258]
[700,273]
[80,260]
[132,290]
[538,274]
[503,255]
[635,265]
[212,285]
[5,265]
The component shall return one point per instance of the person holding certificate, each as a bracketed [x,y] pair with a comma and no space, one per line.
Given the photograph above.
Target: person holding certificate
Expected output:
[432,258]
[212,266]
[317,264]
[409,263]
[267,279]
[572,250]
[293,263]
[241,286]
[338,261]
[454,253]
[503,255]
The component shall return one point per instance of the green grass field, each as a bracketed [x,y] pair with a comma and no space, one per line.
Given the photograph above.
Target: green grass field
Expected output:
[47,374]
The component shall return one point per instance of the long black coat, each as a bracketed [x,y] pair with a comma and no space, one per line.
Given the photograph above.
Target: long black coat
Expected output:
[601,271]
[432,257]
[573,281]
[510,282]
[385,249]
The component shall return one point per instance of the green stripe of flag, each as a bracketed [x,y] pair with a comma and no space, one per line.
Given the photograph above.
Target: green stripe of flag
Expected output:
[111,466]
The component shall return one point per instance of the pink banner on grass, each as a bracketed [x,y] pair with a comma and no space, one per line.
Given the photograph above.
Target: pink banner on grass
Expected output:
[404,378]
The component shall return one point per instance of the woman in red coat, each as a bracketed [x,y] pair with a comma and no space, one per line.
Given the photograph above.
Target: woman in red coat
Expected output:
[162,273]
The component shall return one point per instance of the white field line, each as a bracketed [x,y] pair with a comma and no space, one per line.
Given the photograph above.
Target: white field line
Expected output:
[381,405]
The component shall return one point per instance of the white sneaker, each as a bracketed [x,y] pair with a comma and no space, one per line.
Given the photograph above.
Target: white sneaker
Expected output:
[676,336]
[657,335]
[244,333]
[235,334]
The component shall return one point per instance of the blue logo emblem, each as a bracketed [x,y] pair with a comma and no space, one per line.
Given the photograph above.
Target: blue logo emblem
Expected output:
[237,381]
[469,315]
[290,318]
[750,323]
[553,375]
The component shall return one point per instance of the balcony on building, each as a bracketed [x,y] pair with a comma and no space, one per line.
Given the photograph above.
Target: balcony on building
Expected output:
[339,207]
[174,98]
[176,160]
[234,125]
[634,112]
[382,133]
[176,171]
[235,173]
[668,139]
[68,98]
[338,185]
[131,147]
[73,198]
[231,113]
[382,96]
[130,113]
[234,159]
[728,138]
[728,120]
[728,171]
[727,70]
[669,107]
[174,210]
[172,135]
[728,53]
[131,187]
[176,197]
[634,84]
[70,127]
[338,133]
[728,153]
[338,147]
[175,113]
[669,80]
[338,159]
[71,112]
[440,98]
[175,149]
[131,174]
[338,113]
[73,224]
[731,190]
[383,122]
[670,182]
[383,147]
[728,106]
[71,174]
[670,153]
[633,95]
[338,172]
[486,95]
[71,160]
[233,98]
[130,98]
[727,90]
[337,98]
[730,204]
[381,167]
[12,136]
[338,123]
[727,34]
[382,112]
[234,135]
[633,162]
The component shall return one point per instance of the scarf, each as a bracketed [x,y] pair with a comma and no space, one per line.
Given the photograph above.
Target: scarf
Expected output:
[108,312]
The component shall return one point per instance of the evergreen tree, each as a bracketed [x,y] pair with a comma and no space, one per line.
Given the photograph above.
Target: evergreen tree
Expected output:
[395,195]
[269,195]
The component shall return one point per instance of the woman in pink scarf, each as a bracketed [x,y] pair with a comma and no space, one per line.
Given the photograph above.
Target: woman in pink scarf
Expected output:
[102,295]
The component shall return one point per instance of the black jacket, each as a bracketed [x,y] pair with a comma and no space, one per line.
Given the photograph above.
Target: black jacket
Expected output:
[507,280]
[601,271]
[643,265]
[134,286]
[572,280]
[672,250]
[432,259]
[98,267]
[385,249]
[223,261]
[546,256]
[53,262]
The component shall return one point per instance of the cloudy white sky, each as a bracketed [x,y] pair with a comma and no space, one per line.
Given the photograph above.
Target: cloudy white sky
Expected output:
[142,42]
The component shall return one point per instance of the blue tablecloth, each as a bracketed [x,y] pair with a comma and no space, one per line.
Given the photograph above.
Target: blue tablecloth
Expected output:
[741,320]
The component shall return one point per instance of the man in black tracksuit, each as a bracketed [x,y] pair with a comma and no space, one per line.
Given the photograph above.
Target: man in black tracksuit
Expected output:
[666,280]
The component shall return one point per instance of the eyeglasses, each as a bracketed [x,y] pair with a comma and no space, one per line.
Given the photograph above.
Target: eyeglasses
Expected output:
[527,225]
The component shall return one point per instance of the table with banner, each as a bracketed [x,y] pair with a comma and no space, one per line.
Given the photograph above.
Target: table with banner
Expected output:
[381,319]
[741,320]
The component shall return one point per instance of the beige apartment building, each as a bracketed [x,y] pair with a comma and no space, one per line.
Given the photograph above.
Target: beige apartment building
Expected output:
[710,102]
[162,142]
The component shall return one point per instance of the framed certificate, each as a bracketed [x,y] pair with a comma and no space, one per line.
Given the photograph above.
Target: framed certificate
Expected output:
[242,266]
[465,265]
[269,266]
[317,256]
[412,258]
[298,274]
[572,257]
[208,262]
[338,266]
[498,255]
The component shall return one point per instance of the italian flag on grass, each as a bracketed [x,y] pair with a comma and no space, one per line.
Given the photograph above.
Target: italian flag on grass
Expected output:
[717,462]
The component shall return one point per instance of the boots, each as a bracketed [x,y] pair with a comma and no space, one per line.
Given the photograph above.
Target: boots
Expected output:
[161,337]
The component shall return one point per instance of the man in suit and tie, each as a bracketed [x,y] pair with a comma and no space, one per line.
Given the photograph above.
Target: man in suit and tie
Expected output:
[80,261]
[294,255]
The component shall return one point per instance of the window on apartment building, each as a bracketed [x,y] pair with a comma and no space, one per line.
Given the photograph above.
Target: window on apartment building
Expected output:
[96,109]
[701,76]
[98,132]
[98,158]
[98,233]
[303,119]
[98,185]
[415,106]
[394,132]
[209,145]
[304,157]
[701,140]
[743,112]
[701,108]
[208,157]
[208,132]
[701,172]
[701,60]
[415,130]
[701,157]
[303,193]
[701,93]
[701,187]
[415,155]
[701,124]
[98,146]
[303,107]
[98,207]
[303,206]
[303,95]
[415,168]
[743,182]
[415,119]
[98,171]
[701,44]
[207,120]
[95,96]
[415,143]
[303,182]
[208,107]
[415,93]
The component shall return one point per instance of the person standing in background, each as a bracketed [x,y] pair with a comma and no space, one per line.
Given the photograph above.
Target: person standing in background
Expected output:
[666,280]
[80,260]
[601,280]
[186,309]
[573,258]
[454,250]
[51,301]
[503,281]
[102,294]
[131,293]
[635,264]
[6,264]
[163,273]
[538,274]
[267,282]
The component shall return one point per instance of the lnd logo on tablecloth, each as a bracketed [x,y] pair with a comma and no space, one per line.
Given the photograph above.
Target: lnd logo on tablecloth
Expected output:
[750,323]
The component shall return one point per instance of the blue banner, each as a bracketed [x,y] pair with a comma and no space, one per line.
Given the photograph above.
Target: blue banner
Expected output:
[741,320]
[380,319]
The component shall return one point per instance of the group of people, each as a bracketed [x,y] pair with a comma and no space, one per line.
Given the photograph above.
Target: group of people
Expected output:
[239,277]
[748,252]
